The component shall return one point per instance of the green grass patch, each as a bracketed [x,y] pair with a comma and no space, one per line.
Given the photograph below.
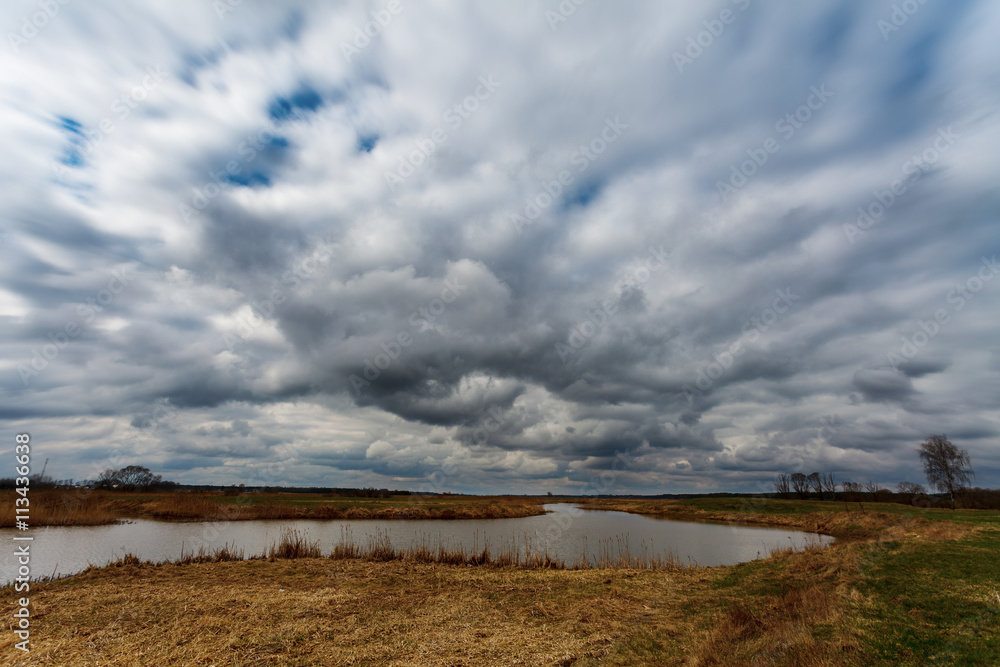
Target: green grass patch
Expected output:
[932,602]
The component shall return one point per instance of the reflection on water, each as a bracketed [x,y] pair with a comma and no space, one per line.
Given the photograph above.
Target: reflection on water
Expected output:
[567,534]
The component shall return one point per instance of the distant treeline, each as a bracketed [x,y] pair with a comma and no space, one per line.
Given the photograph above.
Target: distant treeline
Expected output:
[978,499]
[798,485]
[137,478]
[823,487]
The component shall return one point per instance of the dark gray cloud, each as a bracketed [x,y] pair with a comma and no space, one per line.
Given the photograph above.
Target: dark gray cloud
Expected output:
[502,258]
[883,385]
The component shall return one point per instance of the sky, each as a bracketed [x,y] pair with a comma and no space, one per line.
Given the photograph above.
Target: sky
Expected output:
[500,247]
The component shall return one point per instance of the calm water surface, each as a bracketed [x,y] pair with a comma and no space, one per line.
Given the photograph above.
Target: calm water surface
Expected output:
[566,534]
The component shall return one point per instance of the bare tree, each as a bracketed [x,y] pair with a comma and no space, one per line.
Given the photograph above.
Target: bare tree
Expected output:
[910,491]
[910,488]
[129,478]
[781,486]
[829,485]
[137,478]
[816,483]
[947,467]
[852,491]
[107,479]
[800,484]
[872,488]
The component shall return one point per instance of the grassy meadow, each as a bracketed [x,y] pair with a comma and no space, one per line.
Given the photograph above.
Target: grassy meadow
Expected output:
[901,586]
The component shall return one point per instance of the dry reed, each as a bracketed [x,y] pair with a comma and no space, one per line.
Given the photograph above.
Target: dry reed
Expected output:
[294,544]
[83,506]
[614,554]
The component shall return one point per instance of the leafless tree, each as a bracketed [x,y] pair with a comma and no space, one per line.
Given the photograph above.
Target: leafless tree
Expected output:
[800,484]
[107,479]
[129,478]
[872,488]
[910,488]
[947,467]
[137,478]
[829,485]
[781,486]
[852,491]
[816,483]
[910,491]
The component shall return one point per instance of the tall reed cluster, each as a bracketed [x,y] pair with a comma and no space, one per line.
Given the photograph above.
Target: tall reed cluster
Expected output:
[613,553]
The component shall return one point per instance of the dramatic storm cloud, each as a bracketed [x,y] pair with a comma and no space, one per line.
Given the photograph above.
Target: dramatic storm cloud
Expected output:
[524,246]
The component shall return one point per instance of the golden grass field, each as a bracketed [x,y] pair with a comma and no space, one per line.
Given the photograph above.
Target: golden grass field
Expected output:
[901,587]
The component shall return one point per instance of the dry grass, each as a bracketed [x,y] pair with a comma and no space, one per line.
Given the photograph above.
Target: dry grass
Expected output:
[778,632]
[379,548]
[67,507]
[377,605]
[294,544]
[788,610]
[77,507]
[397,611]
[345,612]
[831,520]
[224,554]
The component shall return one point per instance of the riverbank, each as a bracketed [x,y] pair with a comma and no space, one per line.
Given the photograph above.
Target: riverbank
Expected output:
[921,591]
[845,521]
[83,507]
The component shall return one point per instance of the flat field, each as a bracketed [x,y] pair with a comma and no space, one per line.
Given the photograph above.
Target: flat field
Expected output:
[82,507]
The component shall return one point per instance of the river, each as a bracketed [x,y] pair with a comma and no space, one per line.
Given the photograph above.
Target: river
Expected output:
[566,533]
